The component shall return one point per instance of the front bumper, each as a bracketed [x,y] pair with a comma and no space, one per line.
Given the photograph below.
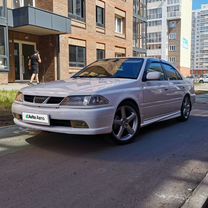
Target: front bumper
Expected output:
[99,120]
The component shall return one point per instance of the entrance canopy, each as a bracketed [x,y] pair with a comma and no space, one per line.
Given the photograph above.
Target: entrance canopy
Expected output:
[36,21]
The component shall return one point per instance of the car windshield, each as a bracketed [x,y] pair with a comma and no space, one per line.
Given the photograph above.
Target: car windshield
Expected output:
[113,68]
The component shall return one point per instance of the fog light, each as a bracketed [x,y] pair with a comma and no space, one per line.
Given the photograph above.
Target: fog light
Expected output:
[17,116]
[79,124]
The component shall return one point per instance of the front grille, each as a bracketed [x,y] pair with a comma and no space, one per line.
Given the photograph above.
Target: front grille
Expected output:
[55,100]
[28,98]
[39,99]
[42,99]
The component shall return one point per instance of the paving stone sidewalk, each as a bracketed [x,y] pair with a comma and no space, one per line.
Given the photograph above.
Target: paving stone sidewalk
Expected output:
[12,86]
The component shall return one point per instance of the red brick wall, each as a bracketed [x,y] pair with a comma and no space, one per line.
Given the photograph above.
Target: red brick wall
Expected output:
[46,4]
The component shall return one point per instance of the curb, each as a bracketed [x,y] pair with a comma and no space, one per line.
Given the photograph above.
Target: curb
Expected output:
[199,198]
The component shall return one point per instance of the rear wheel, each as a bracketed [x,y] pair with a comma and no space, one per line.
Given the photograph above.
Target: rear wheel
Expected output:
[185,109]
[126,123]
[201,81]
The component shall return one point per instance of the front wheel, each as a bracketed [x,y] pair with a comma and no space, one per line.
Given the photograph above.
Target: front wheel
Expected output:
[126,124]
[185,109]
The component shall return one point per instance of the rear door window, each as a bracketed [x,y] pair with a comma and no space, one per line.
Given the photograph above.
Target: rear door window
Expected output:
[171,72]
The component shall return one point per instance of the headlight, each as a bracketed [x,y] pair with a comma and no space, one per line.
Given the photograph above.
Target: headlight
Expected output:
[85,100]
[19,97]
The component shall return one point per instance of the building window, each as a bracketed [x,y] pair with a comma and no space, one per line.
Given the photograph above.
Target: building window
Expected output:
[172,24]
[118,55]
[154,23]
[77,56]
[3,49]
[139,33]
[119,24]
[2,8]
[172,36]
[76,9]
[173,2]
[153,46]
[100,16]
[154,13]
[172,59]
[22,3]
[172,48]
[154,37]
[151,1]
[140,8]
[100,54]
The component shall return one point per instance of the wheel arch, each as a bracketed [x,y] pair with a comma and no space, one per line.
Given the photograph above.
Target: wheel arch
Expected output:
[189,96]
[133,102]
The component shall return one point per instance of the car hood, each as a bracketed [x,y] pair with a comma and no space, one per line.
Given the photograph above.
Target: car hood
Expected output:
[75,86]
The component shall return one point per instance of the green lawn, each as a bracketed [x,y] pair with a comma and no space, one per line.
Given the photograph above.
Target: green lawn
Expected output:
[201,92]
[6,99]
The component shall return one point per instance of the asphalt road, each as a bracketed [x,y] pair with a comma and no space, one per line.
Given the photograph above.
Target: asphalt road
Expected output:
[161,169]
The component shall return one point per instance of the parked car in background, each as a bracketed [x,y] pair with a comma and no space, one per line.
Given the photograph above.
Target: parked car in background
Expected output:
[203,79]
[114,96]
[193,78]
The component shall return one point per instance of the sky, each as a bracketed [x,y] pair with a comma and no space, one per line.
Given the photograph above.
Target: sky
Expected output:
[197,3]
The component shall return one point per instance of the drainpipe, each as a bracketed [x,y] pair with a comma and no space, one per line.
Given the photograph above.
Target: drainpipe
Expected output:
[58,57]
[6,34]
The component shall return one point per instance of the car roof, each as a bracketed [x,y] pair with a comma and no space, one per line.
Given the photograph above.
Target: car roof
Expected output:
[145,58]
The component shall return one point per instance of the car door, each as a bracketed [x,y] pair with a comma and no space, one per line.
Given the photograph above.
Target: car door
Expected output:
[176,89]
[155,93]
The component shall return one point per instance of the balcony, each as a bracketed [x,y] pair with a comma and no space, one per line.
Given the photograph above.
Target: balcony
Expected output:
[37,21]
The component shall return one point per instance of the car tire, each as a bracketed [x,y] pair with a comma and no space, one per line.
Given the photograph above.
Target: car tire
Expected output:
[185,109]
[126,123]
[201,81]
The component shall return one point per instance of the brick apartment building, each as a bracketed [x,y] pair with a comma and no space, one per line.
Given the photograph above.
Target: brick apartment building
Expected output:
[68,33]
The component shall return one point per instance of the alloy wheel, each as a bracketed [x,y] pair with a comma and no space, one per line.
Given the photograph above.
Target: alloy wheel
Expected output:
[186,108]
[125,124]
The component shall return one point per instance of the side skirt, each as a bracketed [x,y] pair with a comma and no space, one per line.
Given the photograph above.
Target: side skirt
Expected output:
[162,118]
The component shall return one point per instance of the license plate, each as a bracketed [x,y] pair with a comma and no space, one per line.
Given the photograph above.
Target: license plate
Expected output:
[36,118]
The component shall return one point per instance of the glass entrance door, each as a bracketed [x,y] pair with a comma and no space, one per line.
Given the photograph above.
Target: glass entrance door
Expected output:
[22,51]
[17,60]
[27,51]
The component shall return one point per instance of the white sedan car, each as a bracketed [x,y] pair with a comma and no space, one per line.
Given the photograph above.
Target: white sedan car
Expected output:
[115,96]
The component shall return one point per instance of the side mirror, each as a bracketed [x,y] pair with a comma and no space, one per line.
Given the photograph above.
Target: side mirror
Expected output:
[153,76]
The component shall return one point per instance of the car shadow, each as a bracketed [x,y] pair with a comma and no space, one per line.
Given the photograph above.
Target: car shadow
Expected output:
[82,145]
